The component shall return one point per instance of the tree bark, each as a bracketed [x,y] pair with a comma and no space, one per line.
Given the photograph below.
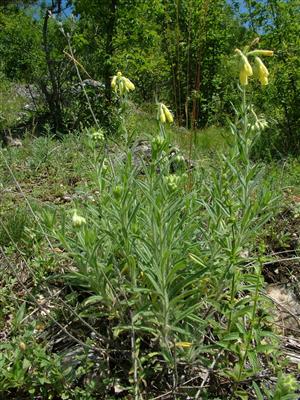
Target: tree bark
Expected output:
[111,22]
[52,95]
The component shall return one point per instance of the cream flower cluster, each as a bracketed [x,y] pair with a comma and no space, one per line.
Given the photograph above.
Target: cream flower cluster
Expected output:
[246,69]
[164,114]
[78,220]
[121,85]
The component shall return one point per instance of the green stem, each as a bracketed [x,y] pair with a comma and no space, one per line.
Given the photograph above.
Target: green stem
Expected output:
[252,320]
[244,111]
[162,130]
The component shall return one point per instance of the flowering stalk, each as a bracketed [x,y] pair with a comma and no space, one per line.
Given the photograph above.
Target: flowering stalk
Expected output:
[163,115]
[246,69]
[242,169]
[122,86]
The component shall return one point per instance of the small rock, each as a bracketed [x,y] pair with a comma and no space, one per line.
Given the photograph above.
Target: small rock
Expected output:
[287,310]
[13,142]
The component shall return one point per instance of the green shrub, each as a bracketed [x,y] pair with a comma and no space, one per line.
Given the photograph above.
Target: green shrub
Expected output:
[168,260]
[11,106]
[12,228]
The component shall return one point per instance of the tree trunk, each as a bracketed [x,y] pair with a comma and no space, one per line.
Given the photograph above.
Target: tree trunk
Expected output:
[53,97]
[111,22]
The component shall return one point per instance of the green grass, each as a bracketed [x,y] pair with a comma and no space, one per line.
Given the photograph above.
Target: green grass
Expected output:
[48,169]
[143,124]
[286,174]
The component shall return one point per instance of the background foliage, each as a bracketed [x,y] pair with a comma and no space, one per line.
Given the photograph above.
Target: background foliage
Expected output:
[176,50]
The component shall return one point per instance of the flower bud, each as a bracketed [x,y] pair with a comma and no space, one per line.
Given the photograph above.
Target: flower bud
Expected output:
[97,136]
[77,220]
[157,145]
[232,220]
[22,346]
[291,382]
[288,382]
[117,192]
[158,141]
[179,158]
[105,165]
[121,87]
[172,182]
[178,163]
[184,345]
[266,53]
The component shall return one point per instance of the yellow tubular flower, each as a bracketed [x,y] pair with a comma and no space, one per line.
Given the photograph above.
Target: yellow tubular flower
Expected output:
[114,82]
[246,65]
[161,114]
[168,114]
[266,53]
[243,77]
[128,84]
[184,345]
[263,72]
[121,85]
[245,72]
[246,69]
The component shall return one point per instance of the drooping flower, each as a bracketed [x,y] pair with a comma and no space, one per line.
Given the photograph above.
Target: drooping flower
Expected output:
[128,84]
[245,69]
[168,114]
[164,114]
[263,72]
[114,82]
[121,85]
[243,77]
[245,66]
[77,220]
[161,114]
